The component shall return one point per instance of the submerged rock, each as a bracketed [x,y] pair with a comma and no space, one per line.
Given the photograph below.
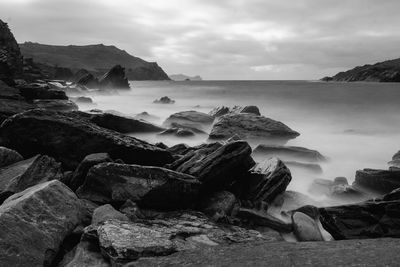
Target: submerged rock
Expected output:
[220,111]
[8,157]
[164,100]
[380,181]
[69,140]
[189,119]
[289,153]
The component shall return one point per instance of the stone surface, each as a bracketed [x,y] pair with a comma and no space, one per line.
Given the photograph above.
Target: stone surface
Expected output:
[381,181]
[40,91]
[35,222]
[394,195]
[114,78]
[190,119]
[289,153]
[305,228]
[150,187]
[220,111]
[10,55]
[250,126]
[261,218]
[85,254]
[164,100]
[218,204]
[107,212]
[69,140]
[56,104]
[10,107]
[9,156]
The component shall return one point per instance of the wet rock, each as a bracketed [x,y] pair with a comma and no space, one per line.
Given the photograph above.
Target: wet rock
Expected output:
[179,132]
[250,126]
[380,181]
[189,119]
[10,107]
[394,195]
[164,100]
[23,174]
[216,166]
[114,78]
[146,116]
[69,140]
[85,254]
[305,228]
[107,212]
[41,91]
[261,218]
[88,80]
[220,111]
[289,153]
[81,171]
[150,187]
[218,204]
[42,215]
[8,157]
[180,149]
[8,92]
[363,220]
[56,105]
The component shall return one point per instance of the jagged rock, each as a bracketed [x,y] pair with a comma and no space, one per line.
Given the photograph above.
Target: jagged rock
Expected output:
[179,132]
[150,187]
[10,107]
[88,80]
[115,78]
[23,174]
[261,218]
[69,140]
[219,204]
[41,91]
[265,181]
[107,212]
[164,100]
[220,111]
[180,149]
[216,166]
[189,119]
[56,104]
[81,171]
[35,222]
[363,220]
[250,126]
[8,157]
[288,153]
[85,254]
[305,228]
[380,181]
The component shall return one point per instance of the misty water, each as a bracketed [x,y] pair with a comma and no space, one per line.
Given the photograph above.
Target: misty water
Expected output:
[356,125]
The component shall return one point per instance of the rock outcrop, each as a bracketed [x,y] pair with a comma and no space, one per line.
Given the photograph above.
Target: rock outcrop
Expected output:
[189,119]
[220,111]
[380,181]
[114,78]
[8,157]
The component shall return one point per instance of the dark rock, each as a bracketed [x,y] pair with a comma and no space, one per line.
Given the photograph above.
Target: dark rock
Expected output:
[340,181]
[150,187]
[251,109]
[115,78]
[81,171]
[88,80]
[146,116]
[87,210]
[291,200]
[107,212]
[216,166]
[8,92]
[339,189]
[189,119]
[161,145]
[69,140]
[305,228]
[35,222]
[179,132]
[394,195]
[41,91]
[56,105]
[395,162]
[180,149]
[220,111]
[380,181]
[10,107]
[85,254]
[8,157]
[23,174]
[250,126]
[164,100]
[131,210]
[265,181]
[363,220]
[218,204]
[261,218]
[288,153]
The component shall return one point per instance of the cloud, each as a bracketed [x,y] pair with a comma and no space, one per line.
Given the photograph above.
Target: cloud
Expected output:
[225,39]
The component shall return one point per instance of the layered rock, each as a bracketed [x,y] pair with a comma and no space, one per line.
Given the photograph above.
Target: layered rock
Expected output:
[114,78]
[41,91]
[220,111]
[56,105]
[380,181]
[69,140]
[10,107]
[289,153]
[10,55]
[189,119]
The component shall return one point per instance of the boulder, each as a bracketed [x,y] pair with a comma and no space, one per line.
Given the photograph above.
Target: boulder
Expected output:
[289,153]
[180,149]
[81,171]
[55,104]
[35,222]
[114,78]
[261,218]
[150,187]
[8,157]
[10,107]
[178,132]
[146,116]
[216,166]
[265,181]
[189,119]
[23,174]
[394,195]
[380,181]
[164,100]
[220,111]
[85,254]
[363,220]
[250,126]
[41,91]
[107,212]
[218,204]
[305,228]
[69,140]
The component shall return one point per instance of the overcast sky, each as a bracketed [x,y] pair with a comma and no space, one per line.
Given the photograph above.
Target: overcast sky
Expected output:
[221,39]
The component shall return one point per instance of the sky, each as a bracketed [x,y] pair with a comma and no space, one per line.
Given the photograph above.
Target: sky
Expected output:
[221,39]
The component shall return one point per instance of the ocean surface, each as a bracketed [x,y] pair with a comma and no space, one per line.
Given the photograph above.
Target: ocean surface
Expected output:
[356,125]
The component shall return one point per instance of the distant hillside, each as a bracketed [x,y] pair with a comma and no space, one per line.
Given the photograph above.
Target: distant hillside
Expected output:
[95,58]
[387,71]
[182,77]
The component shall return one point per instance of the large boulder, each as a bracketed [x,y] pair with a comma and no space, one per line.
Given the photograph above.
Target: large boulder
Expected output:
[114,78]
[220,111]
[250,126]
[8,157]
[107,212]
[363,220]
[69,140]
[380,181]
[10,107]
[189,119]
[41,91]
[289,153]
[216,166]
[306,228]
[23,174]
[34,223]
[150,187]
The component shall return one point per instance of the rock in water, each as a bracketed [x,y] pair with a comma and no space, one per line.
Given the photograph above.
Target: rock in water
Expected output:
[150,187]
[265,181]
[364,220]
[305,228]
[250,126]
[189,119]
[56,104]
[216,166]
[380,181]
[69,140]
[289,153]
[164,100]
[395,162]
[35,222]
[8,157]
[220,111]
[115,78]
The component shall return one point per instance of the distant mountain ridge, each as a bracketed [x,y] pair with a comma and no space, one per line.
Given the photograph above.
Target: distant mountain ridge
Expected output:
[386,71]
[183,77]
[95,58]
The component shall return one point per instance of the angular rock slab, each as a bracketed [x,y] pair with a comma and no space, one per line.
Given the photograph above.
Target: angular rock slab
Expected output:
[69,140]
[33,224]
[291,153]
[191,119]
[150,187]
[305,228]
[8,157]
[380,181]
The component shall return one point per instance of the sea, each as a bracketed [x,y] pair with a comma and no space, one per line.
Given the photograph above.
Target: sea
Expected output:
[355,125]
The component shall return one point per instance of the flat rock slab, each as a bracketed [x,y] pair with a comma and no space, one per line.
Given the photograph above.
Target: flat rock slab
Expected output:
[291,153]
[381,181]
[372,252]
